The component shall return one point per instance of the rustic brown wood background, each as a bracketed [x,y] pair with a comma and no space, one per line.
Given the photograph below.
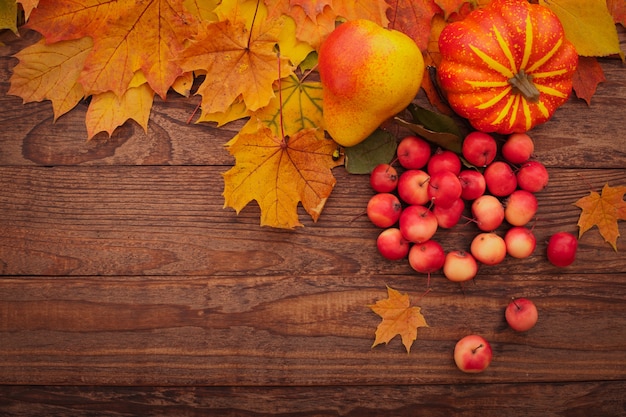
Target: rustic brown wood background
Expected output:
[127,289]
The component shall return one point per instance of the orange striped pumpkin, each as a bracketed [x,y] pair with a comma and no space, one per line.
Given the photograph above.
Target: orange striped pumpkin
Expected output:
[506,67]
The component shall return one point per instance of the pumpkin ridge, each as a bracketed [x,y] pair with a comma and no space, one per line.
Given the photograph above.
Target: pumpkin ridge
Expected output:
[492,63]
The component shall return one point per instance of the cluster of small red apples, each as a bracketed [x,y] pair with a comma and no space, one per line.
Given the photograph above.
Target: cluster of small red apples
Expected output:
[434,191]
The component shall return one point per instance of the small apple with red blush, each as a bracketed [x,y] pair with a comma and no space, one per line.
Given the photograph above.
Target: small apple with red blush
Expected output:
[518,148]
[532,176]
[384,209]
[488,248]
[562,248]
[413,152]
[473,184]
[413,186]
[384,178]
[460,266]
[444,188]
[487,212]
[417,223]
[472,354]
[520,207]
[520,242]
[448,217]
[521,314]
[500,178]
[444,160]
[427,257]
[479,148]
[392,245]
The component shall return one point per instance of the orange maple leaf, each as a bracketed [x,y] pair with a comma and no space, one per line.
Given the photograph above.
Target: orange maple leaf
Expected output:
[374,10]
[603,210]
[617,8]
[128,36]
[450,6]
[280,173]
[399,318]
[587,77]
[413,18]
[240,60]
[50,72]
[311,7]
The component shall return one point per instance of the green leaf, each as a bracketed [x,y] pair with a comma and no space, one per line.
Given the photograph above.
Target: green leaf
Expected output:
[435,127]
[379,148]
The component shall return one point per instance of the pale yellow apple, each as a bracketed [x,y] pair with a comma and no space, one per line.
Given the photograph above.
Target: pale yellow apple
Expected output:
[368,74]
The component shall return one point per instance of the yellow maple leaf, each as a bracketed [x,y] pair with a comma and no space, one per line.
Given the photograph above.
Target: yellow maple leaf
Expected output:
[107,111]
[203,9]
[280,173]
[398,318]
[239,56]
[50,72]
[301,107]
[603,210]
[588,25]
[8,15]
[128,36]
[237,110]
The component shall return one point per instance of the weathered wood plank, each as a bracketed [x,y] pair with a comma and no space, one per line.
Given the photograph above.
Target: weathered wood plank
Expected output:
[585,399]
[299,330]
[170,221]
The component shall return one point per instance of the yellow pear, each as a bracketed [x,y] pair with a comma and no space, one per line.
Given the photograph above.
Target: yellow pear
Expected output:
[368,74]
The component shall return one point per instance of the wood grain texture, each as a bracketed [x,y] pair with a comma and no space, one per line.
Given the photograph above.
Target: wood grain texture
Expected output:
[126,288]
[463,400]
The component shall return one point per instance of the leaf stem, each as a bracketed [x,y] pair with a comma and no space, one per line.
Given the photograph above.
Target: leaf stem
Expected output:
[280,101]
[256,10]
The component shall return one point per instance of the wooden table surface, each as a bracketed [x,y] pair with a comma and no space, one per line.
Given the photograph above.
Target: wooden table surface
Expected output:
[127,289]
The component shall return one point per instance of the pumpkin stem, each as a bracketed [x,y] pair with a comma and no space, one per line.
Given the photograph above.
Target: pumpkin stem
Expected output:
[523,84]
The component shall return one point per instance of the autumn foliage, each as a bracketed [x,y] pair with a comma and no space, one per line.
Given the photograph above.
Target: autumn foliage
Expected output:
[249,59]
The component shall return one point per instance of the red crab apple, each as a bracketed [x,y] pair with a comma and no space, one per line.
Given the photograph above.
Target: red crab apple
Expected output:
[479,148]
[562,248]
[459,266]
[413,187]
[518,148]
[448,217]
[427,257]
[391,245]
[443,160]
[488,212]
[520,242]
[444,188]
[384,178]
[520,207]
[384,209]
[521,314]
[413,152]
[500,179]
[417,223]
[472,354]
[488,248]
[532,176]
[472,183]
